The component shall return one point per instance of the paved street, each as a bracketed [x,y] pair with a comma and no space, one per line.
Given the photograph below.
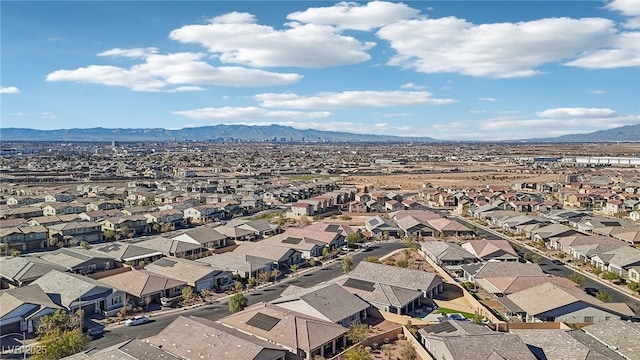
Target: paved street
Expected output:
[560,270]
[214,312]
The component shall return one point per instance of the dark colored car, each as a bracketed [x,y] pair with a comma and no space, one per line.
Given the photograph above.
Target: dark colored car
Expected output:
[591,291]
[558,262]
[620,282]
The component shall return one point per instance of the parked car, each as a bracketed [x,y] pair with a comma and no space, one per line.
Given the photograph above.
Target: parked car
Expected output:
[620,282]
[137,320]
[591,291]
[346,248]
[558,262]
[93,331]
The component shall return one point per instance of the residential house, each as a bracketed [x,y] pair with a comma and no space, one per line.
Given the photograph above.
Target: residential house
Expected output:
[24,238]
[132,349]
[505,285]
[302,209]
[446,227]
[79,260]
[201,214]
[57,208]
[18,271]
[550,302]
[185,248]
[308,247]
[619,336]
[485,250]
[576,345]
[196,274]
[126,226]
[127,253]
[193,338]
[554,230]
[447,254]
[390,288]
[244,266]
[300,334]
[357,207]
[206,236]
[75,292]
[459,340]
[144,287]
[73,233]
[22,308]
[492,269]
[282,257]
[329,302]
[381,228]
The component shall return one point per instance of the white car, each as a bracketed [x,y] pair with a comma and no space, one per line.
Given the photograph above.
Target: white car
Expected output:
[137,320]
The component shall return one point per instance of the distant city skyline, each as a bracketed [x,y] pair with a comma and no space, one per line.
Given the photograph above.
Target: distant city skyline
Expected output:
[466,70]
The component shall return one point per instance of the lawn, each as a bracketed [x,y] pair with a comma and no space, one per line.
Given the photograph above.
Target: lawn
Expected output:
[451,311]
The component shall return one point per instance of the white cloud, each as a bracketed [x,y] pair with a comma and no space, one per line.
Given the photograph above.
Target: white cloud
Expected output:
[349,99]
[159,72]
[236,38]
[47,115]
[136,53]
[392,115]
[487,99]
[624,51]
[597,92]
[249,113]
[351,15]
[527,128]
[477,111]
[9,90]
[630,8]
[576,113]
[502,50]
[411,86]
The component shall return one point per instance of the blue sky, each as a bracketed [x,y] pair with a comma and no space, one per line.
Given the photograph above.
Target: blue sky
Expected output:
[465,70]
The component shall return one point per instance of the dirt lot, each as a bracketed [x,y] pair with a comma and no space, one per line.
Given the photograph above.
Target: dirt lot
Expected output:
[463,179]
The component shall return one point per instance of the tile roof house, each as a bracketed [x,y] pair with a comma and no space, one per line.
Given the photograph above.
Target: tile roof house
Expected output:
[300,334]
[550,302]
[196,338]
[326,302]
[208,237]
[74,291]
[489,269]
[457,340]
[243,265]
[22,270]
[79,260]
[21,308]
[564,345]
[132,349]
[619,336]
[486,250]
[181,248]
[196,274]
[282,256]
[144,287]
[447,253]
[123,252]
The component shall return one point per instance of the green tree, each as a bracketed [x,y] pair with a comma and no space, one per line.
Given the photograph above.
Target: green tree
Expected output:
[357,332]
[263,277]
[597,271]
[373,259]
[536,258]
[325,252]
[57,345]
[187,294]
[85,245]
[252,282]
[312,262]
[408,352]
[237,302]
[238,286]
[357,353]
[634,286]
[412,329]
[580,280]
[16,253]
[60,335]
[410,244]
[353,238]
[603,296]
[109,234]
[347,264]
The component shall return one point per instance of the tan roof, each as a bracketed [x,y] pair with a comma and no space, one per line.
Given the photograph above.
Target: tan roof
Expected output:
[141,283]
[293,330]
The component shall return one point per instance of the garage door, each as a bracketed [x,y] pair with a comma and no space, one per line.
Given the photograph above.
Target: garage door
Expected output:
[207,284]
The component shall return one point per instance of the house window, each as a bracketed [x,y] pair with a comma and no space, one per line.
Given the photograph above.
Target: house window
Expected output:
[607,318]
[588,319]
[92,267]
[107,265]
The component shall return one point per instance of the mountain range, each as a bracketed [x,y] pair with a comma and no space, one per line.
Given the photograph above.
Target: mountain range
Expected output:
[269,133]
